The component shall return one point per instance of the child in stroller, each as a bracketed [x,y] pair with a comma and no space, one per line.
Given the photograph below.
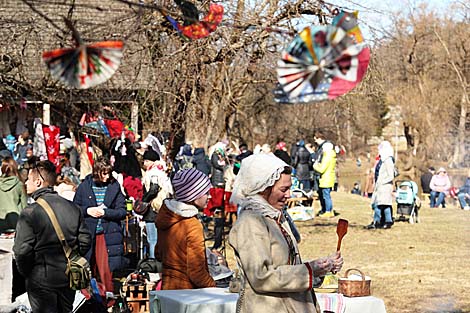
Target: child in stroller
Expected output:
[407,200]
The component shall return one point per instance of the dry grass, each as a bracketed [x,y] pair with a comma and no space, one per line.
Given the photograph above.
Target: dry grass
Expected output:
[414,268]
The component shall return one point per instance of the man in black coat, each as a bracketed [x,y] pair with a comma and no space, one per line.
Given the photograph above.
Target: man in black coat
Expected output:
[39,255]
[303,165]
[426,180]
[244,153]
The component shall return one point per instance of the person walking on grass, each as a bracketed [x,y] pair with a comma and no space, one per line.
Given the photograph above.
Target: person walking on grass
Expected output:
[325,166]
[382,198]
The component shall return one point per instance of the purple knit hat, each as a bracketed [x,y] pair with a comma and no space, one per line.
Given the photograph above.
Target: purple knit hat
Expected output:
[190,184]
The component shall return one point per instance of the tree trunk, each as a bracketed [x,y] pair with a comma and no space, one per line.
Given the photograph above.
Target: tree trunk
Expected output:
[459,149]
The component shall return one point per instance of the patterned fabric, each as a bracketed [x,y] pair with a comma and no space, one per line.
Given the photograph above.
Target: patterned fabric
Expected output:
[89,150]
[39,146]
[190,184]
[51,139]
[333,302]
[100,193]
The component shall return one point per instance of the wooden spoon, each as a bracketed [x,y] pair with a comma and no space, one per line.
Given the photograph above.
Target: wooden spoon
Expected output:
[341,230]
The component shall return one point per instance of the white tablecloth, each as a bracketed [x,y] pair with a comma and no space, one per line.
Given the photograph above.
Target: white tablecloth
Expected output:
[206,300]
[351,305]
[219,300]
[6,274]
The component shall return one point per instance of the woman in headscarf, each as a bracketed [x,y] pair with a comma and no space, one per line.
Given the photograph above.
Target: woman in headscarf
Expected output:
[382,199]
[274,278]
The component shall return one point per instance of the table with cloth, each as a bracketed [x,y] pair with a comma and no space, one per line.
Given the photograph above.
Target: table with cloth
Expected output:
[6,270]
[220,300]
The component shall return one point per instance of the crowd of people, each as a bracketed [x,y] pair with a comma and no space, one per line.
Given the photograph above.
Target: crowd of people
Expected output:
[96,186]
[91,199]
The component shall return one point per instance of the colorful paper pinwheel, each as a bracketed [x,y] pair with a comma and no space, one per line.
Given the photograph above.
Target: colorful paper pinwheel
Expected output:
[323,62]
[84,66]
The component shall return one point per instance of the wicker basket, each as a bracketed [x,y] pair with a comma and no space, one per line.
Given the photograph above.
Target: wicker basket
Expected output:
[354,288]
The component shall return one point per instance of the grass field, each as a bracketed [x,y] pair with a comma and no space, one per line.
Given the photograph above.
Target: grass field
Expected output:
[422,267]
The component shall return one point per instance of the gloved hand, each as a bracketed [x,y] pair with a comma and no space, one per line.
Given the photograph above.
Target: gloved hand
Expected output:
[151,193]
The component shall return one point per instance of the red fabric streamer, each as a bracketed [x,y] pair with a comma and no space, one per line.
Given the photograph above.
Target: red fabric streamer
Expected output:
[51,139]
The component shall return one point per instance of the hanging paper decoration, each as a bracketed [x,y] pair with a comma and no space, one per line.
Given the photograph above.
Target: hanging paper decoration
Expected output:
[84,66]
[195,29]
[323,62]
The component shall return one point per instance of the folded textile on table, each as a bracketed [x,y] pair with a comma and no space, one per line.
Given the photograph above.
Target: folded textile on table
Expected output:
[331,302]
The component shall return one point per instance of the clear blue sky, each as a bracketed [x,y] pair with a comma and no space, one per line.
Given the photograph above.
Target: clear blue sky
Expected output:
[375,14]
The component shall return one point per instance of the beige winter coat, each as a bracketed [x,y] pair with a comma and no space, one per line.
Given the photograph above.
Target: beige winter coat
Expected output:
[384,185]
[269,282]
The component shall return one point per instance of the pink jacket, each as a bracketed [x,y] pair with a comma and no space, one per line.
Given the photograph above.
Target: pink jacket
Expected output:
[440,183]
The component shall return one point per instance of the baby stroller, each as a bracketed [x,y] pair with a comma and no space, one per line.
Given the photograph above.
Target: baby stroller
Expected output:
[408,202]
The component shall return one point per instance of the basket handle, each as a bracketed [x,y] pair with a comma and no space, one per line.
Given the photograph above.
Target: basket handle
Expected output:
[355,269]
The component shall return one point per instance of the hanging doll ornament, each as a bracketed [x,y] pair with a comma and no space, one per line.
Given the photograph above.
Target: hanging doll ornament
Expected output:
[323,62]
[84,66]
[192,27]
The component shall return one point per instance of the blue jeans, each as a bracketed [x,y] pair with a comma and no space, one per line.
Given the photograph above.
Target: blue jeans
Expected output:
[151,238]
[325,199]
[463,202]
[440,199]
[377,213]
[305,183]
[386,210]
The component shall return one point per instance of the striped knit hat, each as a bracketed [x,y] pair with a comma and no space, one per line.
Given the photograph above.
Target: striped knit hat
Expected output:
[190,184]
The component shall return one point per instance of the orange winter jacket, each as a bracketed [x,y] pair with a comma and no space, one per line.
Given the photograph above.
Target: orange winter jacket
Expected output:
[181,247]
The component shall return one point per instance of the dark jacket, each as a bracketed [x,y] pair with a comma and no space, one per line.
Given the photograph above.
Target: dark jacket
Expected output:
[38,252]
[466,187]
[127,164]
[425,181]
[217,178]
[115,212]
[240,158]
[302,163]
[201,161]
[283,155]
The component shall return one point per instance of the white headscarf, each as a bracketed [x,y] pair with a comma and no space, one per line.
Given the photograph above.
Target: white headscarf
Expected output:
[257,172]
[385,150]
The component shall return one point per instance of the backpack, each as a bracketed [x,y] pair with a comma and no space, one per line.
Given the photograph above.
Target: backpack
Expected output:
[78,269]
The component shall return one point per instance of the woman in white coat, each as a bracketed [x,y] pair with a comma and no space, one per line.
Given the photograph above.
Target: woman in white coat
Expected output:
[382,198]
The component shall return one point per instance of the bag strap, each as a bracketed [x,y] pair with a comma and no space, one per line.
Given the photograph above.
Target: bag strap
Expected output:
[43,203]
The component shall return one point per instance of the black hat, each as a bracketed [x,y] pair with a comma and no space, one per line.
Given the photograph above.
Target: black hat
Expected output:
[151,155]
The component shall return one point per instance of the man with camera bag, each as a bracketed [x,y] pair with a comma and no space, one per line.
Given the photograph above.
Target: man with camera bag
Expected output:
[39,254]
